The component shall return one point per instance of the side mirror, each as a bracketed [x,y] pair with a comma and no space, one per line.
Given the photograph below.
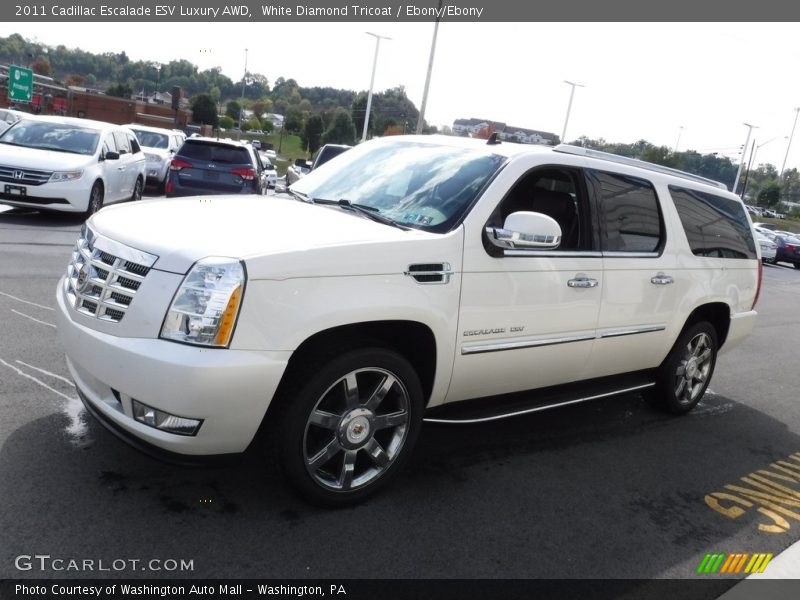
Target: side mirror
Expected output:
[526,230]
[111,156]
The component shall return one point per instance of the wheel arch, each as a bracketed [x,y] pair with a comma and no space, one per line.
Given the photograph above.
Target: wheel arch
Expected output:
[716,313]
[413,340]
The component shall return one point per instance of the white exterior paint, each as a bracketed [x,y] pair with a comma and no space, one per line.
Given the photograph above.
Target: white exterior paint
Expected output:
[311,268]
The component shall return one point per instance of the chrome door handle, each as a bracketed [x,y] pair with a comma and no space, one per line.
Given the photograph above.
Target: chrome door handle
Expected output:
[661,279]
[582,282]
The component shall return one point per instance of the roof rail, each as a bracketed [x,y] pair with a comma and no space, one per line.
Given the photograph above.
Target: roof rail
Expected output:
[635,162]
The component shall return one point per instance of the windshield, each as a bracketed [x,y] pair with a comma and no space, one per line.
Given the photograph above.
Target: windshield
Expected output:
[421,185]
[46,135]
[151,139]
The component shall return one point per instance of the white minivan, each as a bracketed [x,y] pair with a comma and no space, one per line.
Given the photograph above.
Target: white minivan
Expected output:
[68,164]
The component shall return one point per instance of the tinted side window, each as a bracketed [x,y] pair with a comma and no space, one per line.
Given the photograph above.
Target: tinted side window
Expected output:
[714,225]
[134,143]
[630,219]
[557,193]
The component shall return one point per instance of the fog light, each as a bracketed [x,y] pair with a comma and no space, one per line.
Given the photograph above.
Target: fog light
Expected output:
[164,421]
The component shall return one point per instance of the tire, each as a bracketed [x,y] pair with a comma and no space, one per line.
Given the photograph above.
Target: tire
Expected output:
[162,185]
[137,190]
[95,199]
[684,375]
[348,424]
[797,265]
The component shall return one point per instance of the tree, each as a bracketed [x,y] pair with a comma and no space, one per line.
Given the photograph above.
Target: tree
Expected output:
[121,90]
[358,112]
[252,124]
[225,122]
[312,134]
[259,107]
[393,130]
[770,194]
[233,109]
[341,131]
[73,79]
[204,110]
[294,120]
[41,66]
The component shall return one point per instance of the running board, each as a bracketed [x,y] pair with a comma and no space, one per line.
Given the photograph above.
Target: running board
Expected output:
[495,408]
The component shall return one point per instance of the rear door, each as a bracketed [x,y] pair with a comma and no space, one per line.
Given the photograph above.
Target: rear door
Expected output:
[127,165]
[640,275]
[112,169]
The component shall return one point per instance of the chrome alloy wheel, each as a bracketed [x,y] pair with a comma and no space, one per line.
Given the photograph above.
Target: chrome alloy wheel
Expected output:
[356,429]
[694,367]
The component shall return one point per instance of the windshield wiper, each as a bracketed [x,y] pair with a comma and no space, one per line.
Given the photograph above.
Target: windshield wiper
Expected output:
[299,195]
[368,211]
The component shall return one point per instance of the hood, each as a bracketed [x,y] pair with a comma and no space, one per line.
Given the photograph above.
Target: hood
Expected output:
[262,230]
[43,160]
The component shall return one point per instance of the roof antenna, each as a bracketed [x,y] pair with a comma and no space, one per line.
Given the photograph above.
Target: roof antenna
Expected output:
[493,141]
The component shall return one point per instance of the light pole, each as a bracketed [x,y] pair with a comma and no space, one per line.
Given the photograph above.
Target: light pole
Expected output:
[569,107]
[378,39]
[421,117]
[744,149]
[752,160]
[789,145]
[241,107]
[678,141]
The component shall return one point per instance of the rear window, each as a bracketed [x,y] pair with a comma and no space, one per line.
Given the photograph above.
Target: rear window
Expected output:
[152,139]
[216,153]
[715,226]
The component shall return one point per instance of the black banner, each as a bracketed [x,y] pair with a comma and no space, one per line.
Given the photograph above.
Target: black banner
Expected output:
[383,589]
[396,10]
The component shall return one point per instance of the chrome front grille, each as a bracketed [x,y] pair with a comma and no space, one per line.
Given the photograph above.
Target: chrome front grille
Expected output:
[104,276]
[24,176]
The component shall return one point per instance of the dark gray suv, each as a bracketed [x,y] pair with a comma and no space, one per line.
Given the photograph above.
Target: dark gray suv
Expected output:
[212,166]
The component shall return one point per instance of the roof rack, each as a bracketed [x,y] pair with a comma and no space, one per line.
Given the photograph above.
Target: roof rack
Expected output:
[635,162]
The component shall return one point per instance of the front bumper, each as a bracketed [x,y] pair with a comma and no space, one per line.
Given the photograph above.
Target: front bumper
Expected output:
[229,390]
[68,196]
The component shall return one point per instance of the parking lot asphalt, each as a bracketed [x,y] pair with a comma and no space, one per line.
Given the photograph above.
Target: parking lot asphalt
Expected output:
[608,489]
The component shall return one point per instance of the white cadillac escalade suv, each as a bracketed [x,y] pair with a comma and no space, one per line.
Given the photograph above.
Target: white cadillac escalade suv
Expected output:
[412,279]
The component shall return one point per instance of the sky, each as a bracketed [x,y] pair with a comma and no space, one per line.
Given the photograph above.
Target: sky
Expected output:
[693,85]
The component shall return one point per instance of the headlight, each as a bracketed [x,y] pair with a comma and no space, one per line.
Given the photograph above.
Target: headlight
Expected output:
[205,307]
[65,176]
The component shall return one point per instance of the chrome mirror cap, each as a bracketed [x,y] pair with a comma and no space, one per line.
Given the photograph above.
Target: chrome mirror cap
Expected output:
[525,229]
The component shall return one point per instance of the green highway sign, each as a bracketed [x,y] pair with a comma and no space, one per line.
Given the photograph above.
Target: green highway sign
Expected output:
[20,84]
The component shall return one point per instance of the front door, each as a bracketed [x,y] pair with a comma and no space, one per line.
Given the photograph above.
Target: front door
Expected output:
[528,318]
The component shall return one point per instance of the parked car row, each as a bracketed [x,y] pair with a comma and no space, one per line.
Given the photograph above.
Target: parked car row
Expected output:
[758,211]
[79,165]
[787,244]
